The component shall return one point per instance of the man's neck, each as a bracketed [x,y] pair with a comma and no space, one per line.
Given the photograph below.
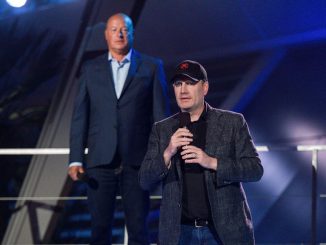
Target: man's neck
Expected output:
[118,55]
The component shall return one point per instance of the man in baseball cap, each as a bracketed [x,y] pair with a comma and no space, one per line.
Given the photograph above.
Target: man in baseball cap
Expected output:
[190,95]
[202,164]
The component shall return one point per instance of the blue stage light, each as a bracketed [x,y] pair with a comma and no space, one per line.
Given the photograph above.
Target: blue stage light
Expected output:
[16,3]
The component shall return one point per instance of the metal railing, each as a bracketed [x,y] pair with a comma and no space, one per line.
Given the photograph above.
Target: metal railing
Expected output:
[314,149]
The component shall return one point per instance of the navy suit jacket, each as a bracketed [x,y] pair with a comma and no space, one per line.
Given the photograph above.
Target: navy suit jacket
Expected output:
[106,124]
[227,139]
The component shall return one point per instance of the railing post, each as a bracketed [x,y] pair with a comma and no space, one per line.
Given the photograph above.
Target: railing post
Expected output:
[314,197]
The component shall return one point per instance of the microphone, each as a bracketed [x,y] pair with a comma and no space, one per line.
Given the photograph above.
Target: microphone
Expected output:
[184,119]
[83,177]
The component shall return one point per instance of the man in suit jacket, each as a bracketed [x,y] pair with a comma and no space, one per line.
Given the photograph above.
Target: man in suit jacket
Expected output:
[201,166]
[121,94]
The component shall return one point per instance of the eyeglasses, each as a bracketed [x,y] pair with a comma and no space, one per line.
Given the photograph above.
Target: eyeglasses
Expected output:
[178,83]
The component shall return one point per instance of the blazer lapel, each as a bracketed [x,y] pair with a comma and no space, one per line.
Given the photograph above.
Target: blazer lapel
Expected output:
[134,64]
[213,131]
[104,73]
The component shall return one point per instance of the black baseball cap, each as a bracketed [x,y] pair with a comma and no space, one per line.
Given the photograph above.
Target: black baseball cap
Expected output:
[190,69]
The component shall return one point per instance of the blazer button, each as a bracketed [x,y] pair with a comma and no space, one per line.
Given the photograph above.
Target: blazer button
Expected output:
[179,205]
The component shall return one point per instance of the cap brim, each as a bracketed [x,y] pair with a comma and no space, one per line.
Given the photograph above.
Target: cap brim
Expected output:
[183,75]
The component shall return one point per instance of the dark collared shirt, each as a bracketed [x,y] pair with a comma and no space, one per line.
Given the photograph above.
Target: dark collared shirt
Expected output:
[195,203]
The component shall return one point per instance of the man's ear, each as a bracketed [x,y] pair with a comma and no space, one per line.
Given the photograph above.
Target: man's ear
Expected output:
[105,34]
[206,87]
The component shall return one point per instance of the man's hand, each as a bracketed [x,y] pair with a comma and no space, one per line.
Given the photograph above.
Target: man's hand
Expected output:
[180,138]
[74,170]
[193,154]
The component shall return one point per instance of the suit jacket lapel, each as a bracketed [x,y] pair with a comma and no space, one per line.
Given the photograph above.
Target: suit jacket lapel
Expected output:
[104,73]
[134,64]
[213,131]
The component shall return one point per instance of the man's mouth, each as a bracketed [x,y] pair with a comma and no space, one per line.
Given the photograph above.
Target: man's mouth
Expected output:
[184,98]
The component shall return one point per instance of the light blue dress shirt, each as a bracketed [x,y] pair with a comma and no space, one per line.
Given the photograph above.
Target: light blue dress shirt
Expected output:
[120,72]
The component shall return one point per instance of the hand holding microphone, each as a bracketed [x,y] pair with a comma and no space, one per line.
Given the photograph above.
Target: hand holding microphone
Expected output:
[180,138]
[190,153]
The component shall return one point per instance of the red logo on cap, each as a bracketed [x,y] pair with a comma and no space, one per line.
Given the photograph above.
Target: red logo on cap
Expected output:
[184,66]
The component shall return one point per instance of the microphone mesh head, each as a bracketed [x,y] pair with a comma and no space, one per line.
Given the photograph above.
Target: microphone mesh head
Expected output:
[184,119]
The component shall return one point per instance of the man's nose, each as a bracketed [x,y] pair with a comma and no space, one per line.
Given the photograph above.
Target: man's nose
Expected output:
[183,87]
[121,34]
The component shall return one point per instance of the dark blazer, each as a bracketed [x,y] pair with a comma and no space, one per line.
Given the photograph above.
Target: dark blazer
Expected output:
[228,140]
[104,123]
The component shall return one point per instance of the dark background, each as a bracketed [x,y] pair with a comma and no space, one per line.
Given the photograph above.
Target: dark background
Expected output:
[265,59]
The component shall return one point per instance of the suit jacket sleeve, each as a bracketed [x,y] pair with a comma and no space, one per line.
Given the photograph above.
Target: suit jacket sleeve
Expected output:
[153,168]
[161,107]
[244,164]
[79,122]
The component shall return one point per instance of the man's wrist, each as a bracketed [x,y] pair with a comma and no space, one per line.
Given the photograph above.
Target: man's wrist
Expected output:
[213,163]
[167,158]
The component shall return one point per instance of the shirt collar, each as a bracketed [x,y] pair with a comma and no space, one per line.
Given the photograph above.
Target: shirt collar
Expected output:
[125,59]
[203,115]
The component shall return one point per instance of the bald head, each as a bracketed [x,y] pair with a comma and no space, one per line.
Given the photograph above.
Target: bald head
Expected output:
[125,18]
[119,34]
